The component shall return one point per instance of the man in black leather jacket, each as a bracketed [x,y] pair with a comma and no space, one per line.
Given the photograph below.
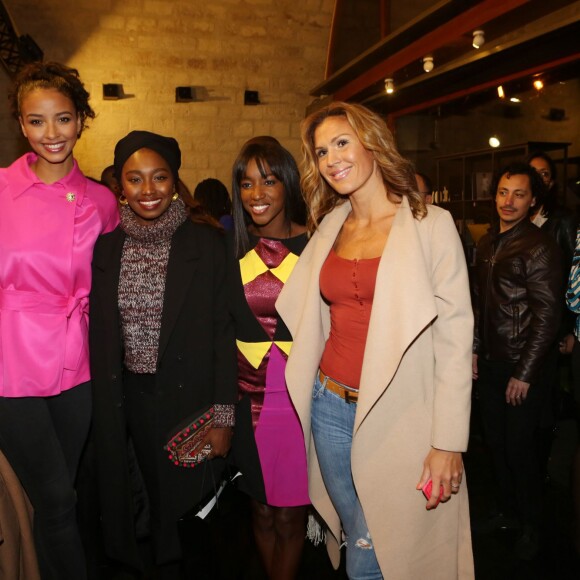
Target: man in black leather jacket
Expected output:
[518,299]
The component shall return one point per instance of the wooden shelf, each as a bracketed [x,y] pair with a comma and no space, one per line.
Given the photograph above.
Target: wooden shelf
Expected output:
[468,176]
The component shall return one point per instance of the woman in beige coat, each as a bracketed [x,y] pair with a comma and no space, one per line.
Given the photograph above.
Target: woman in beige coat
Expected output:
[379,310]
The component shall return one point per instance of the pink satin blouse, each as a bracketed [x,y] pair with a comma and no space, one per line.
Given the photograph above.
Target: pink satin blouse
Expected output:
[47,235]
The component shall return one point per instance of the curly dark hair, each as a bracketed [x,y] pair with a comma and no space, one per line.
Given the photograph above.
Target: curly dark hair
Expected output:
[52,75]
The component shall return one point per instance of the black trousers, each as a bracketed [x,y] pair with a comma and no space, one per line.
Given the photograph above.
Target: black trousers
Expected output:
[43,438]
[510,433]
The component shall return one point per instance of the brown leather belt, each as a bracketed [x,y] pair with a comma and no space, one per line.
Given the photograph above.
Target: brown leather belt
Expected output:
[349,395]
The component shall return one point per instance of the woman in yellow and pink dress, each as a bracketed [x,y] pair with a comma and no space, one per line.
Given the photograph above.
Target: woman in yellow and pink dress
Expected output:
[268,237]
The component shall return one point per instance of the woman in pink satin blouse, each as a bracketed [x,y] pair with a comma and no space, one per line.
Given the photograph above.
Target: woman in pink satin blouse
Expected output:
[51,217]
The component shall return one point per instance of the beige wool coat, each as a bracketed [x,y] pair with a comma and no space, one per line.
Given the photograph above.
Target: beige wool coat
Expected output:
[415,390]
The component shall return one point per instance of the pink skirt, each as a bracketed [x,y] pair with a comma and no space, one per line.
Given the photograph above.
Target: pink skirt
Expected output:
[280,441]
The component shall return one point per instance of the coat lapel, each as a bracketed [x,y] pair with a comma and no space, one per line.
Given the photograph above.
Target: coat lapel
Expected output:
[182,264]
[107,263]
[306,315]
[403,307]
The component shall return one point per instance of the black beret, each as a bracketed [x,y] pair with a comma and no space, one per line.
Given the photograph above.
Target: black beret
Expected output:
[167,147]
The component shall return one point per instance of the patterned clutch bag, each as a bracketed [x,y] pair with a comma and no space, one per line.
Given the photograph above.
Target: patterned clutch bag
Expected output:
[185,446]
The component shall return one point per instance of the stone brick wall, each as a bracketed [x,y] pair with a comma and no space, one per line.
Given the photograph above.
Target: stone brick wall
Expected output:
[222,47]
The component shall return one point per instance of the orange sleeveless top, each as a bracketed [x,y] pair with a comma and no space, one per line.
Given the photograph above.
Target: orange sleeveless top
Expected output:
[349,288]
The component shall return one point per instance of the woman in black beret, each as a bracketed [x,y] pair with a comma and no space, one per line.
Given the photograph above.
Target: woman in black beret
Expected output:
[162,349]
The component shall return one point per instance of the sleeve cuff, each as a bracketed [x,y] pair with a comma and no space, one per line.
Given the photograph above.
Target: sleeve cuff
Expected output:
[224,415]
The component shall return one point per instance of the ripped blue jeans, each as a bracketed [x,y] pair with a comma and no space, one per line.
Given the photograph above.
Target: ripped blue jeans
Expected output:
[332,427]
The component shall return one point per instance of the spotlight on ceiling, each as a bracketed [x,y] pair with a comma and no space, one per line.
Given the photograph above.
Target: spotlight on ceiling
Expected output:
[478,38]
[500,92]
[428,64]
[538,85]
[389,86]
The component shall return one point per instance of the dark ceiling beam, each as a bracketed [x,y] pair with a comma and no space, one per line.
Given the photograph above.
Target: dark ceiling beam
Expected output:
[553,48]
[444,22]
[482,86]
[385,17]
[9,50]
[15,51]
[336,17]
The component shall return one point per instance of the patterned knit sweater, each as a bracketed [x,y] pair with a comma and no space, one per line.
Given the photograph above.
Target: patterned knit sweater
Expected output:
[142,283]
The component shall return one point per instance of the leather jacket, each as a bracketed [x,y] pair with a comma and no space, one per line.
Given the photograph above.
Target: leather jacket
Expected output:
[518,297]
[562,225]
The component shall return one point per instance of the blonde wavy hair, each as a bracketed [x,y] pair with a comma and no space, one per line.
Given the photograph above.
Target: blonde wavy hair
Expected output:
[372,131]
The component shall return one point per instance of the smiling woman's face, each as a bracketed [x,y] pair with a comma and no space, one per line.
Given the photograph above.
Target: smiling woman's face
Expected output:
[342,159]
[148,185]
[263,197]
[50,122]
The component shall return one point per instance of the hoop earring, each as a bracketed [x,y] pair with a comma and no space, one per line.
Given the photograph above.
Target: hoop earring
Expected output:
[175,196]
[123,200]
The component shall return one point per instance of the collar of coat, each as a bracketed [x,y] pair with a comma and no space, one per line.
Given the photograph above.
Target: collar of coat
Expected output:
[184,253]
[403,306]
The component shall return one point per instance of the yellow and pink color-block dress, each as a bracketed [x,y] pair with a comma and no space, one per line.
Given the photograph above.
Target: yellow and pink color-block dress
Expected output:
[268,443]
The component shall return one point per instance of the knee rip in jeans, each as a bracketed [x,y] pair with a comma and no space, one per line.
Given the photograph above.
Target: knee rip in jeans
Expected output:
[364,543]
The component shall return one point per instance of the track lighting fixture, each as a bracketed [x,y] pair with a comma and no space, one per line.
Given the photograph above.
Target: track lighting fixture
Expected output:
[478,38]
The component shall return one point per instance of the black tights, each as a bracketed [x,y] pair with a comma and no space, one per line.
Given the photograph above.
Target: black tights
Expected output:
[43,437]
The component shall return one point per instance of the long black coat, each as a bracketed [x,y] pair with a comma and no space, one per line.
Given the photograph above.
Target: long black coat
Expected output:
[196,367]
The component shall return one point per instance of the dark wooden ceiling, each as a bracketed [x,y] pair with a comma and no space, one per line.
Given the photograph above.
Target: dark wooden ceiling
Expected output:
[523,38]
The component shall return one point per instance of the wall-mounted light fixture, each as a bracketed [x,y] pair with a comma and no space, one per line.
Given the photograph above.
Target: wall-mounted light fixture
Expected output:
[478,38]
[251,98]
[556,114]
[389,86]
[494,141]
[428,64]
[184,94]
[113,92]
